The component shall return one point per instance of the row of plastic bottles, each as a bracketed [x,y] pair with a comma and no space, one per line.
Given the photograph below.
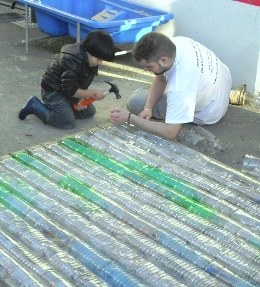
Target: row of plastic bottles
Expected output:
[170,194]
[125,233]
[41,203]
[198,194]
[43,153]
[118,198]
[73,223]
[251,166]
[102,266]
[241,271]
[189,159]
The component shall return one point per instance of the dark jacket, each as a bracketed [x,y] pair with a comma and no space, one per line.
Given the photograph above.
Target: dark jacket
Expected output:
[69,71]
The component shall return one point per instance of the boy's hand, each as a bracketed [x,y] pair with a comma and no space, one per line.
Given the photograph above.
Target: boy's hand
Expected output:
[99,95]
[81,107]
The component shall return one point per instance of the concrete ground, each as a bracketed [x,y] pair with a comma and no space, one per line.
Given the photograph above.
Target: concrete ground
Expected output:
[238,132]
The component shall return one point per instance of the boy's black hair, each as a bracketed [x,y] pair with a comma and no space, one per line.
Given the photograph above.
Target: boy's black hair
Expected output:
[99,44]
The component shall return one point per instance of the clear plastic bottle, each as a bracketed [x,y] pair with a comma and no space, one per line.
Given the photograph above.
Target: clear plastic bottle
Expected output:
[13,275]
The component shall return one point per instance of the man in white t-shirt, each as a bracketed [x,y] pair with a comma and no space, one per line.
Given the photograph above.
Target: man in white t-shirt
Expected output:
[196,82]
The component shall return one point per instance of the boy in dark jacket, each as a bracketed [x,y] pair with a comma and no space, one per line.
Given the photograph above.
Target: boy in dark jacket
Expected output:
[66,81]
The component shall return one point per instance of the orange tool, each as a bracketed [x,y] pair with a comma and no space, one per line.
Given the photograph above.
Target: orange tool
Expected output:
[114,89]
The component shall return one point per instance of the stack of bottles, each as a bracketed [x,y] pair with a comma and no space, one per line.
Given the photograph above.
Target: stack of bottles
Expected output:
[120,207]
[251,166]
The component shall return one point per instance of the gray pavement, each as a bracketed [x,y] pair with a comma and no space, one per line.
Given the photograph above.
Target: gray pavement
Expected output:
[20,74]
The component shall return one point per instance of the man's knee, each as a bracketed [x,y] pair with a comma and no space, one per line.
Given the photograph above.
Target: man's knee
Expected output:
[135,103]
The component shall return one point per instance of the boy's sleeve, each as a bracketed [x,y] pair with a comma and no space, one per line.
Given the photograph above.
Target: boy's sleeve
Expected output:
[70,76]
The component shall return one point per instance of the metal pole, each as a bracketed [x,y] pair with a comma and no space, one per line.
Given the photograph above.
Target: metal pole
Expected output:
[26,30]
[78,32]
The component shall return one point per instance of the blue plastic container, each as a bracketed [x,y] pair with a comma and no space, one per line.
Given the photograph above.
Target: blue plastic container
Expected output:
[125,21]
[49,24]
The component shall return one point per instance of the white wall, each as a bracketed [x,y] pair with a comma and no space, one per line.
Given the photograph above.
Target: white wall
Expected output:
[231,29]
[257,83]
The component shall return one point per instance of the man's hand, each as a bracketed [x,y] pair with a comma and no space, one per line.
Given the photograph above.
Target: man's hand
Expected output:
[145,114]
[118,116]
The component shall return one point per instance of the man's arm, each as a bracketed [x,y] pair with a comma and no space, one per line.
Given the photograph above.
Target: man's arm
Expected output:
[156,91]
[119,116]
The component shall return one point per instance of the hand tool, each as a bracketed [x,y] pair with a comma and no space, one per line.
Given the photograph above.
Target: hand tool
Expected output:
[114,89]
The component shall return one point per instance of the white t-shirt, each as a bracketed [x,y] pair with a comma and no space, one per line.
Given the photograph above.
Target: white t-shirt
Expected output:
[198,85]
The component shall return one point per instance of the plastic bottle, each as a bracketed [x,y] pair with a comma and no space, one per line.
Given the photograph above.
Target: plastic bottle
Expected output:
[13,275]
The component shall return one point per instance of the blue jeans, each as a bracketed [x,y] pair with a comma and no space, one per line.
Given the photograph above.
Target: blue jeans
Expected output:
[62,115]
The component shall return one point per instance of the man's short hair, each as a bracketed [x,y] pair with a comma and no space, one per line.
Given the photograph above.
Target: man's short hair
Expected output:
[152,46]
